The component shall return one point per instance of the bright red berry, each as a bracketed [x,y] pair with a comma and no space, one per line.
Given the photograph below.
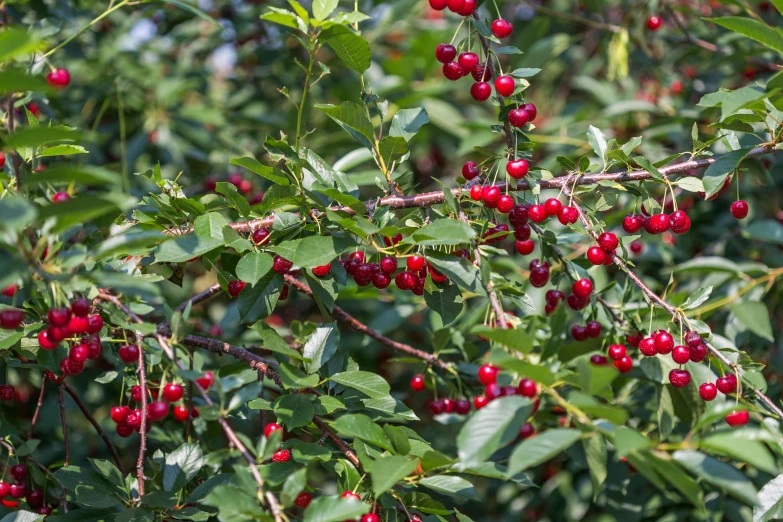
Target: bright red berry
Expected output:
[59,78]
[303,499]
[502,28]
[598,360]
[11,318]
[487,374]
[664,342]
[525,247]
[632,224]
[654,23]
[531,111]
[578,332]
[527,388]
[568,215]
[439,5]
[282,455]
[616,352]
[350,494]
[593,329]
[657,224]
[734,419]
[537,213]
[322,270]
[19,472]
[173,392]
[129,353]
[647,346]
[681,354]
[452,71]
[708,391]
[596,255]
[455,6]
[679,222]
[180,413]
[480,401]
[553,206]
[539,276]
[445,53]
[78,353]
[518,117]
[490,195]
[206,380]
[480,91]
[608,241]
[388,265]
[518,168]
[281,265]
[505,85]
[261,236]
[94,324]
[727,384]
[582,288]
[470,170]
[415,263]
[739,209]
[476,193]
[624,364]
[418,383]
[157,410]
[270,428]
[505,204]
[58,316]
[698,352]
[406,280]
[80,308]
[468,61]
[235,287]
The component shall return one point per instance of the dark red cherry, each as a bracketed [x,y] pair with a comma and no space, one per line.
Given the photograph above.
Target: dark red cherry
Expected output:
[518,215]
[445,53]
[679,378]
[452,71]
[518,117]
[470,170]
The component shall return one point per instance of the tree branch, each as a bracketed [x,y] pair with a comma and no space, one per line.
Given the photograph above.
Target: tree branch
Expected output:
[144,414]
[37,408]
[65,425]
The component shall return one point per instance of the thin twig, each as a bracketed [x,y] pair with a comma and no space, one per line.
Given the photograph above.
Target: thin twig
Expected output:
[65,425]
[144,414]
[37,408]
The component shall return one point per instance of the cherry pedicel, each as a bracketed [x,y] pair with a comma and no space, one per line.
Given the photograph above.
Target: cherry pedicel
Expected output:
[505,85]
[708,391]
[502,28]
[739,209]
[735,419]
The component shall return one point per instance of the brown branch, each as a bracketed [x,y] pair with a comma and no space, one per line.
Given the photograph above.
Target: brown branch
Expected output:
[252,360]
[339,442]
[65,425]
[144,414]
[98,428]
[363,328]
[193,301]
[37,408]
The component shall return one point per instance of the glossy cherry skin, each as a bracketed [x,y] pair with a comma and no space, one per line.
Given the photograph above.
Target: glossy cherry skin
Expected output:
[94,324]
[80,307]
[739,209]
[439,5]
[445,53]
[206,380]
[624,364]
[568,215]
[490,195]
[59,78]
[679,378]
[582,288]
[734,419]
[270,428]
[119,413]
[553,206]
[664,342]
[518,168]
[481,73]
[539,276]
[505,204]
[78,353]
[632,224]
[418,383]
[526,431]
[537,213]
[679,222]
[303,500]
[19,472]
[236,287]
[452,71]
[522,233]
[480,401]
[11,318]
[698,352]
[487,374]
[456,6]
[415,263]
[468,61]
[531,110]
[525,247]
[476,193]
[180,413]
[681,354]
[616,352]
[129,353]
[608,241]
[657,224]
[647,346]
[708,391]
[596,255]
[727,384]
[505,85]
[598,360]
[654,23]
[579,333]
[593,329]
[173,392]
[282,455]
[519,215]
[470,170]
[527,388]
[157,410]
[518,117]
[502,28]
[577,303]
[261,236]
[281,265]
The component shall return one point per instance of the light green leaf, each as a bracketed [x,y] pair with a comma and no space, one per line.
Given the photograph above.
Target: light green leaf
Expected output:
[719,474]
[407,122]
[372,385]
[323,8]
[313,251]
[274,175]
[335,509]
[597,141]
[450,485]
[392,148]
[351,48]
[182,465]
[767,230]
[770,506]
[772,37]
[491,427]
[362,427]
[445,231]
[542,447]
[386,472]
[253,266]
[353,120]
[320,346]
[755,316]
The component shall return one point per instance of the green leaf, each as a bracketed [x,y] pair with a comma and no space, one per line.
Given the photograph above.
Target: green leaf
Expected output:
[597,141]
[697,298]
[512,338]
[649,167]
[14,42]
[740,99]
[767,230]
[406,123]
[716,173]
[525,72]
[679,479]
[542,447]
[595,378]
[196,11]
[182,465]
[369,383]
[323,8]
[232,194]
[136,515]
[444,299]
[352,118]
[63,150]
[392,407]
[313,251]
[363,428]
[459,270]
[274,175]
[388,471]
[25,516]
[754,316]
[320,346]
[259,301]
[16,80]
[351,48]
[284,17]
[491,427]
[450,485]
[628,441]
[294,378]
[335,509]
[16,213]
[770,506]
[739,445]
[772,37]
[444,231]
[293,485]
[294,410]
[207,236]
[253,266]
[271,340]
[719,474]
[690,184]
[392,148]
[595,454]
[79,211]
[37,136]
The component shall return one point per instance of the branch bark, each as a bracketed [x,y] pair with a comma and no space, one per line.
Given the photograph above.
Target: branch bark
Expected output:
[144,414]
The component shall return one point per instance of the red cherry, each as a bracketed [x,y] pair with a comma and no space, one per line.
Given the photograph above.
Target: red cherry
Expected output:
[19,472]
[206,381]
[282,455]
[437,407]
[388,265]
[391,241]
[577,303]
[708,391]
[525,248]
[617,351]
[381,280]
[452,71]
[664,342]
[505,85]
[698,352]
[487,374]
[681,354]
[727,384]
[527,388]
[261,236]
[596,255]
[502,28]
[173,392]
[624,364]
[180,413]
[582,288]
[11,318]
[492,391]
[439,5]
[303,499]
[553,206]
[445,53]
[608,241]
[679,222]
[136,393]
[124,430]
[579,333]
[654,23]
[481,73]
[44,510]
[80,308]
[60,197]
[35,498]
[468,8]
[517,169]
[58,316]
[119,413]
[657,224]
[468,61]
[94,324]
[235,287]
[537,213]
[739,209]
[593,329]
[415,263]
[406,280]
[270,428]
[519,215]
[455,6]
[568,215]
[531,111]
[470,169]
[59,78]
[647,346]
[518,117]
[323,270]
[281,265]
[476,193]
[522,233]
[490,195]
[18,490]
[418,383]
[78,325]
[462,407]
[129,353]
[505,204]
[692,339]
[157,410]
[637,247]
[632,224]
[679,378]
[598,360]
[554,297]
[78,353]
[10,290]
[350,494]
[480,401]
[539,276]
[734,419]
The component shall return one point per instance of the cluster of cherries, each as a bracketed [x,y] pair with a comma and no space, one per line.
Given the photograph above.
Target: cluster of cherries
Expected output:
[280,265]
[18,490]
[129,420]
[581,333]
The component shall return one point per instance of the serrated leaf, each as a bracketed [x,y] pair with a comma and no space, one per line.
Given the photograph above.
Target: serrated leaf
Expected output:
[274,175]
[370,384]
[294,410]
[253,266]
[320,346]
[490,428]
[544,446]
[352,118]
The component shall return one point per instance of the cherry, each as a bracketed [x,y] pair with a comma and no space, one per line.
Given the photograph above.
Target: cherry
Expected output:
[505,204]
[679,378]
[78,353]
[525,248]
[596,255]
[734,419]
[537,213]
[692,339]
[57,333]
[492,391]
[303,499]
[44,510]
[679,222]
[637,247]
[608,241]
[481,73]
[598,360]
[19,472]
[439,5]
[519,215]
[415,263]
[7,392]
[616,351]
[490,195]
[261,236]
[593,329]
[517,169]
[654,23]
[624,364]
[582,288]
[568,215]
[206,381]
[527,388]
[487,374]
[94,348]
[129,353]
[437,407]
[388,265]
[470,169]
[391,241]
[235,287]
[698,352]
[60,197]
[476,193]
[468,8]
[78,325]
[505,85]
[577,303]
[406,280]
[134,419]
[119,413]
[2,157]
[418,383]
[647,346]
[282,455]
[554,297]
[468,61]
[739,209]
[136,393]
[681,354]
[522,233]
[657,224]
[462,407]
[455,6]
[18,490]
[632,224]
[664,342]
[35,498]
[282,265]
[11,318]
[502,28]
[518,117]
[58,316]
[10,290]
[381,281]
[5,489]
[553,206]
[539,276]
[708,391]
[350,494]
[579,333]
[94,324]
[173,392]
[270,428]
[80,307]
[322,270]
[445,53]
[480,401]
[531,111]
[180,413]
[727,384]
[452,71]
[59,78]
[157,410]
